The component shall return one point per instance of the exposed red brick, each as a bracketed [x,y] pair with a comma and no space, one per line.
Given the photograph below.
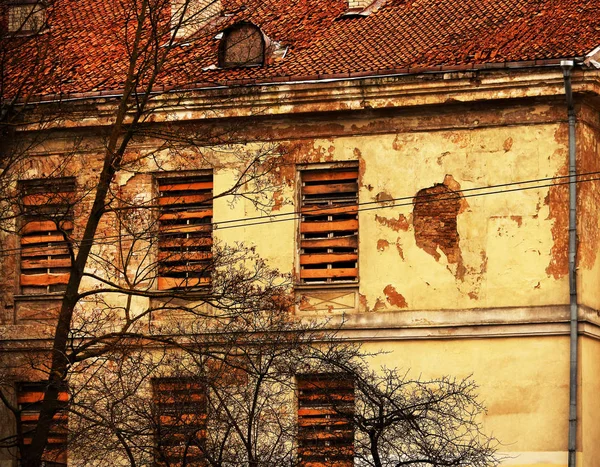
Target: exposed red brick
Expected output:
[379,305]
[382,244]
[394,298]
[435,222]
[557,200]
[399,248]
[395,224]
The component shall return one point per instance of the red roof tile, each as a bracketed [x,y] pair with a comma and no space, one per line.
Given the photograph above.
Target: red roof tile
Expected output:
[85,49]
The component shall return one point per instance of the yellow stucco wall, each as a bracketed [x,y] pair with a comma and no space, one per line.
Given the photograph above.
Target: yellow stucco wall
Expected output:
[589,410]
[522,381]
[511,248]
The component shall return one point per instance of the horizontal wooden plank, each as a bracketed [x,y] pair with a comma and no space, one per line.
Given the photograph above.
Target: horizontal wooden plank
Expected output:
[187,419]
[181,229]
[329,226]
[43,250]
[166,283]
[185,215]
[319,423]
[184,242]
[44,279]
[315,411]
[168,270]
[327,258]
[330,188]
[184,199]
[327,175]
[328,273]
[45,226]
[53,237]
[306,435]
[323,210]
[324,400]
[58,419]
[326,451]
[30,397]
[61,439]
[176,257]
[40,199]
[328,463]
[327,381]
[350,241]
[45,263]
[173,185]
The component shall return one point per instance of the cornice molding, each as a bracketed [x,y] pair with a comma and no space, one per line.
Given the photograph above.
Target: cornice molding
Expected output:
[335,95]
[535,321]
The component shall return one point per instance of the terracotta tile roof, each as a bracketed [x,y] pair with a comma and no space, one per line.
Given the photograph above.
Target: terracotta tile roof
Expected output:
[84,49]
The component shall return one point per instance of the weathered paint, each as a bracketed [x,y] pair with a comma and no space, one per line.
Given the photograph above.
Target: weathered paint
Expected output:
[493,263]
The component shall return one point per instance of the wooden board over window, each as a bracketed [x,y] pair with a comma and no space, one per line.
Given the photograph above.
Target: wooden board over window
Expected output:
[329,226]
[185,237]
[47,212]
[325,434]
[180,421]
[29,398]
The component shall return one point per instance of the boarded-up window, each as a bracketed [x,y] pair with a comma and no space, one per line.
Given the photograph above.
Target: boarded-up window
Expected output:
[185,237]
[242,45]
[329,226]
[47,211]
[180,421]
[325,433]
[29,398]
[26,17]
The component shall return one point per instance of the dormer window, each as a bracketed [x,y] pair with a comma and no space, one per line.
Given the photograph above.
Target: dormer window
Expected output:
[26,17]
[242,45]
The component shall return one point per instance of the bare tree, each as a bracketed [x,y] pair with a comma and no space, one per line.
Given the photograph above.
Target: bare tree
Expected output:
[90,322]
[221,323]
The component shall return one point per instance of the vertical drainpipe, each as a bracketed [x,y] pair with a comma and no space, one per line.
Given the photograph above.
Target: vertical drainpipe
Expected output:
[567,66]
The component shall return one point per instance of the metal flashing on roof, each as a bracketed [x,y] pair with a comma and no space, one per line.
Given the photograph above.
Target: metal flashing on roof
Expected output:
[353,13]
[593,58]
[361,12]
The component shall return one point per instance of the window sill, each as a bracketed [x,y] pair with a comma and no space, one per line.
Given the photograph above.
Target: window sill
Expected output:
[39,297]
[326,286]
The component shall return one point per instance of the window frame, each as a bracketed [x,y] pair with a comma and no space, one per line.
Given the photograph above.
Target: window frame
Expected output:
[352,240]
[328,418]
[38,9]
[167,212]
[223,46]
[33,226]
[29,398]
[193,411]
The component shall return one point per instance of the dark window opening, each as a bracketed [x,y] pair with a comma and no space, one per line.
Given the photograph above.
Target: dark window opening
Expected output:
[325,431]
[242,45]
[329,226]
[185,232]
[180,408]
[47,225]
[29,398]
[26,17]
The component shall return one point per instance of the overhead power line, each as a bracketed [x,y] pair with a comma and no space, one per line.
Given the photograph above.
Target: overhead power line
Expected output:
[510,187]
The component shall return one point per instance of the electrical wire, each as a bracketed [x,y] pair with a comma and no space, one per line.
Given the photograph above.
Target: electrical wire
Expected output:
[384,204]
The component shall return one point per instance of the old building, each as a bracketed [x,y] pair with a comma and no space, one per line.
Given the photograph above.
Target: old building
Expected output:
[407,162]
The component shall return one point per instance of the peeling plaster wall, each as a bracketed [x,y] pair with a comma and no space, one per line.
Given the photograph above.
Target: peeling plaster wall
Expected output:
[588,205]
[589,410]
[468,248]
[523,381]
[472,250]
